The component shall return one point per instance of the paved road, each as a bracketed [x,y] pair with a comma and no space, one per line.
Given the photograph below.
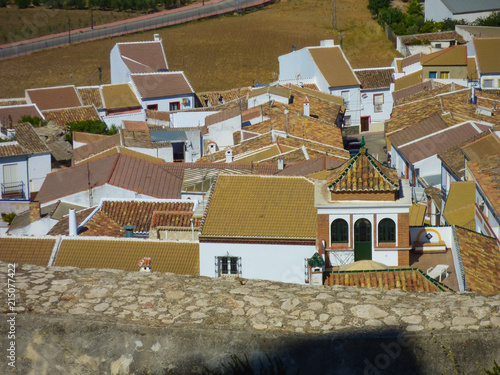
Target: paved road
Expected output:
[150,22]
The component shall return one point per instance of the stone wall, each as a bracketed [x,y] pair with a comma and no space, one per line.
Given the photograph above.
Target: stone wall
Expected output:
[113,322]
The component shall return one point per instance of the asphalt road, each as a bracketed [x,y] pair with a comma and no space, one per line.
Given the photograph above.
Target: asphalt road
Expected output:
[179,16]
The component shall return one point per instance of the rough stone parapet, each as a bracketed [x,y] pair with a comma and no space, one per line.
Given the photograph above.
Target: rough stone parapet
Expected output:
[185,301]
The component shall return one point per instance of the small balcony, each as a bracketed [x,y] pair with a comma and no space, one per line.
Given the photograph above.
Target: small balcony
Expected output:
[13,190]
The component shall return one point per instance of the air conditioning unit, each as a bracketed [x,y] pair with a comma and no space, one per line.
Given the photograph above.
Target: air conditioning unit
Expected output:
[185,101]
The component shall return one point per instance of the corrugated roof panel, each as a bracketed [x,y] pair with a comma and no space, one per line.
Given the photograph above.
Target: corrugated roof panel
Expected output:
[168,136]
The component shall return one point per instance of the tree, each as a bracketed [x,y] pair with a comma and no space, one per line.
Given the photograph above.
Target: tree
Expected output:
[414,8]
[89,126]
[23,4]
[492,20]
[374,6]
[37,122]
[3,3]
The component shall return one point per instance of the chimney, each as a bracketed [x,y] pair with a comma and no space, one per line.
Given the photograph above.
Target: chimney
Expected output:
[157,38]
[73,230]
[229,155]
[34,208]
[145,264]
[473,98]
[452,86]
[281,163]
[306,106]
[304,151]
[129,231]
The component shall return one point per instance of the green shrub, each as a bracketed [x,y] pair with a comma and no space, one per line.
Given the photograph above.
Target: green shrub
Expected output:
[37,122]
[23,4]
[89,126]
[8,218]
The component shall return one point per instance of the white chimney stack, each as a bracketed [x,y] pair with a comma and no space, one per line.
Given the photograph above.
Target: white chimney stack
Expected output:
[281,163]
[72,223]
[229,155]
[157,38]
[306,106]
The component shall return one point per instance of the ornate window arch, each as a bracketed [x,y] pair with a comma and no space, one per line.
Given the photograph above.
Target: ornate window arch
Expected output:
[386,230]
[339,231]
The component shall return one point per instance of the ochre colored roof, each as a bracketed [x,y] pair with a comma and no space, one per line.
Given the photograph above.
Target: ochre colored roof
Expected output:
[91,96]
[417,214]
[487,54]
[82,137]
[176,257]
[158,85]
[261,207]
[12,101]
[119,96]
[26,250]
[471,68]
[408,80]
[456,55]
[334,66]
[375,78]
[214,97]
[174,219]
[460,205]
[410,280]
[54,97]
[481,261]
[363,173]
[62,116]
[483,147]
[143,57]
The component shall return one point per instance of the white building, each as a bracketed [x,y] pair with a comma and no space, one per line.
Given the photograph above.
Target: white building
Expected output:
[439,10]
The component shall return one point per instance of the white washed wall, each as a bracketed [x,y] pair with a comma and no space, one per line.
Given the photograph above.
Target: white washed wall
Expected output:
[119,71]
[189,119]
[222,132]
[283,263]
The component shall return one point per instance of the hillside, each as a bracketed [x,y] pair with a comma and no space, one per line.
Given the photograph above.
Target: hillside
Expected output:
[216,54]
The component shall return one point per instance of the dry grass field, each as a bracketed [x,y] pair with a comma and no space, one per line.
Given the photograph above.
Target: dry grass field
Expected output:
[216,54]
[21,24]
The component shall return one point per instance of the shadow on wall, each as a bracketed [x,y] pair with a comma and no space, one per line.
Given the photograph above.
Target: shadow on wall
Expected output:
[47,344]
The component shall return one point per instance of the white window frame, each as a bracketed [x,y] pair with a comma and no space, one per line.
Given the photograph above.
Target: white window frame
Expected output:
[377,108]
[233,266]
[488,80]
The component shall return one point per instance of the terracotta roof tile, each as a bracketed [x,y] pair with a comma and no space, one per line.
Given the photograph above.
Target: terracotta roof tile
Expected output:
[216,98]
[54,97]
[486,172]
[433,144]
[27,142]
[82,137]
[412,59]
[443,35]
[312,165]
[12,114]
[363,173]
[408,80]
[334,66]
[26,250]
[261,207]
[485,146]
[62,116]
[158,85]
[174,219]
[62,226]
[410,280]
[413,132]
[375,78]
[157,115]
[481,261]
[85,151]
[143,57]
[91,96]
[12,101]
[175,257]
[136,125]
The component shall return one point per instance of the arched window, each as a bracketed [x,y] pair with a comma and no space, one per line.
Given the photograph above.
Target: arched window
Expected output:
[386,231]
[339,231]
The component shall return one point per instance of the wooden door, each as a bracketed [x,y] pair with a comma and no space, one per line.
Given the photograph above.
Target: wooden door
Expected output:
[362,240]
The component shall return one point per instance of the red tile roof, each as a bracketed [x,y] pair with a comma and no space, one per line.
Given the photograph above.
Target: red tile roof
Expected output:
[12,114]
[62,116]
[363,173]
[54,97]
[136,125]
[62,226]
[143,57]
[27,140]
[174,219]
[420,129]
[436,143]
[486,172]
[85,151]
[410,280]
[159,85]
[375,78]
[481,261]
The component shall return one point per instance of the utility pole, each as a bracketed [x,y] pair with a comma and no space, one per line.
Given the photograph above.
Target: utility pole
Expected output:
[334,14]
[91,18]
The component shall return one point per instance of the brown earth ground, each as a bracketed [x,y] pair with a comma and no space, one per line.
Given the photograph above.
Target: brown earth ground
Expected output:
[216,54]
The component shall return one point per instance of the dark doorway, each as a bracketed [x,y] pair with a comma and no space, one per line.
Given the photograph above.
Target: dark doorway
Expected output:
[362,240]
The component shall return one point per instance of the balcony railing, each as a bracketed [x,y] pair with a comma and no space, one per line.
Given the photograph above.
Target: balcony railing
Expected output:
[12,190]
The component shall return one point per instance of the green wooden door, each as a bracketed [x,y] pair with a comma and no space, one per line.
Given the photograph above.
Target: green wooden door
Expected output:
[362,240]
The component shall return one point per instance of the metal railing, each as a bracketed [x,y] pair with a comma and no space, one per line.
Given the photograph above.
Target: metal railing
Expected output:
[12,190]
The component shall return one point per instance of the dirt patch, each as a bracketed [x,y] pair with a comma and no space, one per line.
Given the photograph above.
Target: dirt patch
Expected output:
[220,53]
